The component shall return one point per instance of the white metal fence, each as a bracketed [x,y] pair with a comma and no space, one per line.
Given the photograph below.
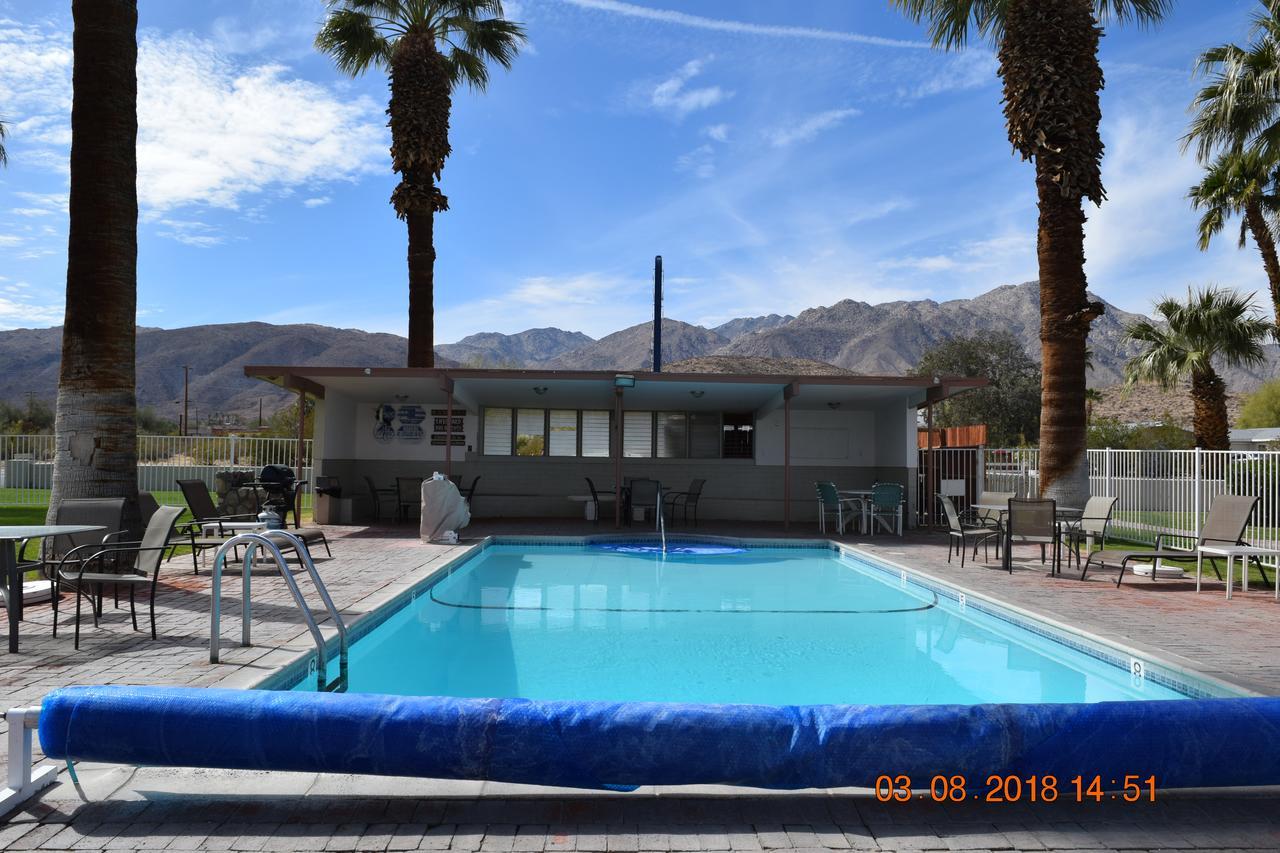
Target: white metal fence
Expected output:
[26,463]
[1158,491]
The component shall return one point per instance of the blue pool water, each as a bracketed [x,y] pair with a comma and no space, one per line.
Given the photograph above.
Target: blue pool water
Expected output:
[761,625]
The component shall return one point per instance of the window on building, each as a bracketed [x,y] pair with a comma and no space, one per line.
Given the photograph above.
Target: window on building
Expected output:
[595,434]
[673,435]
[531,425]
[704,435]
[563,434]
[738,435]
[497,432]
[637,434]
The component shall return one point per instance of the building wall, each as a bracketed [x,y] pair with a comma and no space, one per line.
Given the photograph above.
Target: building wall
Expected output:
[515,487]
[853,448]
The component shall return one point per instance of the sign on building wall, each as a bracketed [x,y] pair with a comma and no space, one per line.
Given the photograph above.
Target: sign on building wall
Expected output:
[400,423]
[443,430]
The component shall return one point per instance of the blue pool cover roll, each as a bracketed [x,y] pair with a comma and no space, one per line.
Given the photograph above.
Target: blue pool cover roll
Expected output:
[1183,743]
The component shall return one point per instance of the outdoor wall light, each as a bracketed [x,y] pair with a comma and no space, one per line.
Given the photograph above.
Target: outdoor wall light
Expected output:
[540,389]
[697,395]
[624,380]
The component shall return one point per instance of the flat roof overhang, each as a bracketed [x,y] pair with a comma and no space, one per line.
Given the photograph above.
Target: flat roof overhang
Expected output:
[584,389]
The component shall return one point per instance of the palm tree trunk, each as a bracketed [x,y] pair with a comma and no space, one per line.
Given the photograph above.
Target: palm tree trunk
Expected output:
[1065,315]
[96,423]
[1262,235]
[422,262]
[1209,401]
[421,99]
[1051,74]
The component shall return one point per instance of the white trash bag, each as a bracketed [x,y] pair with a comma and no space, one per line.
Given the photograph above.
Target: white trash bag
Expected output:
[444,510]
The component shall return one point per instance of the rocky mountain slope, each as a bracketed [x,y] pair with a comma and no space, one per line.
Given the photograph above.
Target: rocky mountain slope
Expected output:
[632,348]
[534,346]
[851,335]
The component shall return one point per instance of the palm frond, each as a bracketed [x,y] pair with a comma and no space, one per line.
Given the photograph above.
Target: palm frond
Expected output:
[4,133]
[949,22]
[1142,12]
[352,38]
[1213,325]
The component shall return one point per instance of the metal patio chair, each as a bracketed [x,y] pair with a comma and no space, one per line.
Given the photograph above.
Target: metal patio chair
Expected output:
[686,500]
[830,502]
[646,495]
[204,514]
[408,496]
[309,535]
[1225,525]
[958,533]
[1032,521]
[1093,523]
[142,558]
[377,495]
[886,504]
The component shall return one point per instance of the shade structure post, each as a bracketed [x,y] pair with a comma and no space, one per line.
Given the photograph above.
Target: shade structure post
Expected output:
[928,465]
[617,458]
[300,456]
[786,464]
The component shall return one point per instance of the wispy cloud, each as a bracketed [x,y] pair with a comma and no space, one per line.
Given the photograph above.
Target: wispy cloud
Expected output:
[212,130]
[319,201]
[1007,253]
[808,128]
[673,96]
[970,69]
[594,302]
[716,132]
[701,161]
[684,19]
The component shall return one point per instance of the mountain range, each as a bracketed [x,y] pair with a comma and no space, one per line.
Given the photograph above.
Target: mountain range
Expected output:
[884,339]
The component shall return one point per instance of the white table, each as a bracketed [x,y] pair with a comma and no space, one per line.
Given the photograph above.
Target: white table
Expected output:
[14,592]
[1244,552]
[212,528]
[588,500]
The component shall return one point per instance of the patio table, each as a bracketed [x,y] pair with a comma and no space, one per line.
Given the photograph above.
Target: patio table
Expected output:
[863,496]
[1244,552]
[10,535]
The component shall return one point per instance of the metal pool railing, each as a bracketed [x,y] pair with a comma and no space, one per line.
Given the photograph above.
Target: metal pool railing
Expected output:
[1158,491]
[26,463]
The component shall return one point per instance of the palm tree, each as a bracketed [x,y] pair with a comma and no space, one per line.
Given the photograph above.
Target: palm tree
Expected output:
[1241,182]
[1214,326]
[1048,52]
[96,423]
[4,155]
[1239,106]
[1235,132]
[428,47]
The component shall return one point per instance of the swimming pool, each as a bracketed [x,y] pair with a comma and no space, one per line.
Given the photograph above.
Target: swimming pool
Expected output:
[754,625]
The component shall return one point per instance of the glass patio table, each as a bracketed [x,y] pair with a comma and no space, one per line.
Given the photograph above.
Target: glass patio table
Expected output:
[13,588]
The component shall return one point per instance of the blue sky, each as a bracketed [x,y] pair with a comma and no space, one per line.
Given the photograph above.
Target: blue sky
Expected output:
[778,155]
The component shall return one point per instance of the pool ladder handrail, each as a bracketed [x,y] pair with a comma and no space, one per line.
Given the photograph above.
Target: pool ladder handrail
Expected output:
[263,540]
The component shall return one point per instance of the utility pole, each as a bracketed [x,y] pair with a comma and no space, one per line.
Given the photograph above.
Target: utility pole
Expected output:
[186,389]
[657,314]
[259,413]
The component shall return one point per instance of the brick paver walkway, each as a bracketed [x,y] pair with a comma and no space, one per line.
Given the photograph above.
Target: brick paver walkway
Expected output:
[191,809]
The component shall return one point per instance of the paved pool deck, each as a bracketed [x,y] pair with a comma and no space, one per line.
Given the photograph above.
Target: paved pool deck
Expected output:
[201,809]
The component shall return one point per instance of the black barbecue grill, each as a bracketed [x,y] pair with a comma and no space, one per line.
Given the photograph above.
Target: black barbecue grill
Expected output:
[277,482]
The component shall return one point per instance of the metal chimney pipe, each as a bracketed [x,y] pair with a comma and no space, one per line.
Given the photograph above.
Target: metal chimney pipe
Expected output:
[657,314]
